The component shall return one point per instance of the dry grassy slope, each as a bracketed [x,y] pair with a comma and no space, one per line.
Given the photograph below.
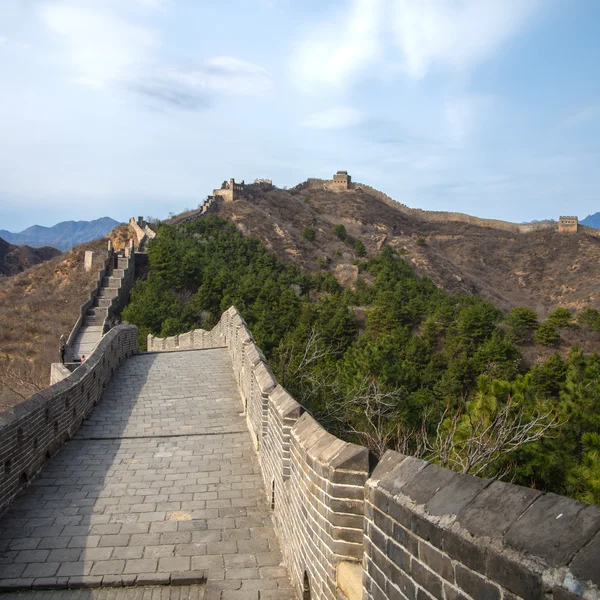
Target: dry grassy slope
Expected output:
[15,259]
[36,308]
[541,270]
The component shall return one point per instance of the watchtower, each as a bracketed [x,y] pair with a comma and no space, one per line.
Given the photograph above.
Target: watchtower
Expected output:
[342,180]
[568,224]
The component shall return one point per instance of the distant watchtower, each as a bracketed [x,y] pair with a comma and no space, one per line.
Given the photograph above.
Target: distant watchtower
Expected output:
[342,180]
[568,224]
[228,190]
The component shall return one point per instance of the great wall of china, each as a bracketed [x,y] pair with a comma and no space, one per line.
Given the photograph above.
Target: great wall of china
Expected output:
[348,528]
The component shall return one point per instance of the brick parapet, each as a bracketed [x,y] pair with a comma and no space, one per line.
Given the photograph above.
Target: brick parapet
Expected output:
[430,532]
[419,530]
[33,430]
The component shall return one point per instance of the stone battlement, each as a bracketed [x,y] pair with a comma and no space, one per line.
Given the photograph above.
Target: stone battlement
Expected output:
[32,431]
[408,529]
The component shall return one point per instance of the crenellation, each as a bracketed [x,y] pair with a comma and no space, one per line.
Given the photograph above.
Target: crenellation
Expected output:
[418,530]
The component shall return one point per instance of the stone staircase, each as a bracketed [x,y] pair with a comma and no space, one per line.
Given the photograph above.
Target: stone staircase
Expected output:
[94,321]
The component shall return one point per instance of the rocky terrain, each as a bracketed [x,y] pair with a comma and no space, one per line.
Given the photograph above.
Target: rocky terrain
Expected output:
[541,269]
[15,259]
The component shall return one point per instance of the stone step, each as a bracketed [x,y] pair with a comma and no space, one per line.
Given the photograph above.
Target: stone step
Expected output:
[123,263]
[103,301]
[111,282]
[97,312]
[92,321]
[108,292]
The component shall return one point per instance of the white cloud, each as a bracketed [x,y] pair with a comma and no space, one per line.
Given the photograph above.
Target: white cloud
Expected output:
[334,118]
[106,50]
[3,40]
[101,47]
[339,48]
[378,35]
[223,74]
[456,34]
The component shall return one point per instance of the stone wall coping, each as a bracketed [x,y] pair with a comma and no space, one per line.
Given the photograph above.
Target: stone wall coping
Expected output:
[284,404]
[543,532]
[325,449]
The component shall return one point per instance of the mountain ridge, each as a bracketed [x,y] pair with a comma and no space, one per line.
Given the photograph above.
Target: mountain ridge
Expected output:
[592,221]
[63,235]
[507,264]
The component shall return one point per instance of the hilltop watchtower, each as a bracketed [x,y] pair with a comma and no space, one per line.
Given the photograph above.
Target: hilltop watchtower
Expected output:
[342,180]
[568,224]
[228,190]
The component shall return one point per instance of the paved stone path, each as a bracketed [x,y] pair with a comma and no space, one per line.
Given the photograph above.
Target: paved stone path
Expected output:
[189,592]
[162,479]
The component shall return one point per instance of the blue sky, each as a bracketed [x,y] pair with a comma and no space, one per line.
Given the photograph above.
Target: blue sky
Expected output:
[127,107]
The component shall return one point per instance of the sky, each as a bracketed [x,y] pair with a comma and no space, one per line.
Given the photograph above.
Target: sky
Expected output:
[141,107]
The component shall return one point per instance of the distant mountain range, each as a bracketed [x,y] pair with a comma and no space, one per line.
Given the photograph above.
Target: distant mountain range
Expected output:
[63,235]
[592,221]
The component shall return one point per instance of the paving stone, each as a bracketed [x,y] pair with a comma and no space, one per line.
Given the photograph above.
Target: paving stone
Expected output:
[40,570]
[108,567]
[149,502]
[144,565]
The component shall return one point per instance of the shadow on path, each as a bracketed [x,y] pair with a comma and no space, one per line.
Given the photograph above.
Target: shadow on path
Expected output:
[161,480]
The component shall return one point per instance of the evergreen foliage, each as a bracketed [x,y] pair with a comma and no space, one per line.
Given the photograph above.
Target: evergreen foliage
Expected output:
[395,363]
[561,317]
[341,232]
[308,233]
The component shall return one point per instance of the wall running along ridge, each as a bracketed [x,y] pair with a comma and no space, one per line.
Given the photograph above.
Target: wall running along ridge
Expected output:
[410,530]
[32,431]
[88,303]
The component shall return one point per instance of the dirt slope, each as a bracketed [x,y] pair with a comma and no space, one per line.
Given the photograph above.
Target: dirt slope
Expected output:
[36,308]
[541,269]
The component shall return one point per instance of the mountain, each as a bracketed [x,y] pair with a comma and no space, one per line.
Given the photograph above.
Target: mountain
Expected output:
[15,259]
[63,235]
[592,221]
[541,269]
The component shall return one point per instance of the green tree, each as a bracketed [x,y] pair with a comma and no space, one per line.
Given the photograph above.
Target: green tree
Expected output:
[546,335]
[589,318]
[340,231]
[521,323]
[359,248]
[561,317]
[308,233]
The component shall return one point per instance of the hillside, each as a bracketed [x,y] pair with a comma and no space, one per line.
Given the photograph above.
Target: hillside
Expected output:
[15,259]
[63,235]
[541,269]
[36,308]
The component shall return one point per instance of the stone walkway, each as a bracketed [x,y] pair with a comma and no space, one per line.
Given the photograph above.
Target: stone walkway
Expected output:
[162,479]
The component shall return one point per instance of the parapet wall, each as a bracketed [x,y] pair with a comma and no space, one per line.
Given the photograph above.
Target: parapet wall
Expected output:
[314,481]
[412,530]
[32,431]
